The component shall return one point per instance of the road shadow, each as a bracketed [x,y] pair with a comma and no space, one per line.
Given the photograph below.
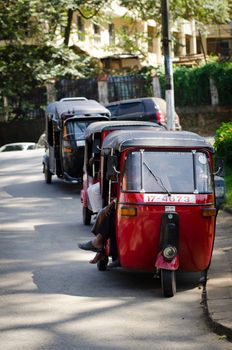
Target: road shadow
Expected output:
[66,269]
[40,189]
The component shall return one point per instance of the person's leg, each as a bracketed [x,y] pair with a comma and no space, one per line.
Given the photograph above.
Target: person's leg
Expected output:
[96,245]
[98,241]
[102,224]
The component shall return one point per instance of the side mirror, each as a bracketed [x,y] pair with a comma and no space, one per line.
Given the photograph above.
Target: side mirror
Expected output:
[220,192]
[111,172]
[219,166]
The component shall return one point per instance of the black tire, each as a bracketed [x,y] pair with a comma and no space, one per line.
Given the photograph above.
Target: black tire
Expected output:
[168,283]
[86,215]
[102,264]
[47,175]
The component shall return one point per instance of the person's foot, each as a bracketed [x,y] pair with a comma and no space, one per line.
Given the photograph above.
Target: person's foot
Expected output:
[97,257]
[89,246]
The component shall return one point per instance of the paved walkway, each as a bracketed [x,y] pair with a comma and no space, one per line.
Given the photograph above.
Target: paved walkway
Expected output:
[218,298]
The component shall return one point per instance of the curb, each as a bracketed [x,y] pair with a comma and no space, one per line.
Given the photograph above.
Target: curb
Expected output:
[213,325]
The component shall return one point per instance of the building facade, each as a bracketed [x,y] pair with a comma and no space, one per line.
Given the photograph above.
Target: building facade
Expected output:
[120,42]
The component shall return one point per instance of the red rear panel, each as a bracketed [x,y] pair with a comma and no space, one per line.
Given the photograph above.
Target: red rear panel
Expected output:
[138,236]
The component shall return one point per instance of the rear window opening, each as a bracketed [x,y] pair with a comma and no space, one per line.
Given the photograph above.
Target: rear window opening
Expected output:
[129,108]
[164,172]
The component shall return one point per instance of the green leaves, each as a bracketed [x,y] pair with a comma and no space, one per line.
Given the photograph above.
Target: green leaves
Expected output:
[33,33]
[203,11]
[223,141]
[25,66]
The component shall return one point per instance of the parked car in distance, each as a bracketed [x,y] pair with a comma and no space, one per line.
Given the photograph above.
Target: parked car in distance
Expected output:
[41,143]
[152,109]
[18,146]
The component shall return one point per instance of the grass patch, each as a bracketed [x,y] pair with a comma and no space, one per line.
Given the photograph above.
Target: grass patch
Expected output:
[228,186]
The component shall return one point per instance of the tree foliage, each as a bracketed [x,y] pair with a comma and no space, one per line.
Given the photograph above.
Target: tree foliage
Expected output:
[223,141]
[24,66]
[21,19]
[30,55]
[204,11]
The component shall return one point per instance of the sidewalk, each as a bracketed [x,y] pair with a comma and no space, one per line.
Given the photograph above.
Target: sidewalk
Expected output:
[218,297]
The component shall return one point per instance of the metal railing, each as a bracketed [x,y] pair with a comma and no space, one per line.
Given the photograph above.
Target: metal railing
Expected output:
[86,87]
[126,87]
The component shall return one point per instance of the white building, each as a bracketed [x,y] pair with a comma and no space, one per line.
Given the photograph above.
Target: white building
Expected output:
[102,38]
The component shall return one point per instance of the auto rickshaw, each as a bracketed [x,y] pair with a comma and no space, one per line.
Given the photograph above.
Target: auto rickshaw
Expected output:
[163,186]
[94,136]
[66,121]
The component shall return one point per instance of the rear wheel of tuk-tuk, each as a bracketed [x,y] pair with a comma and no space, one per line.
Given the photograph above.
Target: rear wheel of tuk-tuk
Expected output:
[168,282]
[86,215]
[102,264]
[47,175]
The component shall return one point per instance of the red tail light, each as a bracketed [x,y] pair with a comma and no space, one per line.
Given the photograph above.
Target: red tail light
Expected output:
[160,117]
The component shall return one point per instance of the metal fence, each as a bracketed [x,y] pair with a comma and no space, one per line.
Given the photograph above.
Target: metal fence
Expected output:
[82,87]
[33,105]
[126,87]
[26,105]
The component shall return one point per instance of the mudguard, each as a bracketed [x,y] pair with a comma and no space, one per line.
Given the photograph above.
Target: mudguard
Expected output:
[161,263]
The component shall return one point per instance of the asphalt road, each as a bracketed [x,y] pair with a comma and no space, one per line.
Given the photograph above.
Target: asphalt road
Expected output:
[51,298]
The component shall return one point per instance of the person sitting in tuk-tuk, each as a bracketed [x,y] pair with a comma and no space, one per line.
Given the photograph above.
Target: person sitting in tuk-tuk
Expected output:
[94,197]
[103,229]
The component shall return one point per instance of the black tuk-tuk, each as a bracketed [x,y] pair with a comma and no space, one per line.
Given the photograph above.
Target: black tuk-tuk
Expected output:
[66,121]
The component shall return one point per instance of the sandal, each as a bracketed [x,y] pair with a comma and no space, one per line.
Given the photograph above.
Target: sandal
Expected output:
[89,246]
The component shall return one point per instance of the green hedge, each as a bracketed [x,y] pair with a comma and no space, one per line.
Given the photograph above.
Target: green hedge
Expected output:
[192,87]
[223,147]
[223,142]
[222,74]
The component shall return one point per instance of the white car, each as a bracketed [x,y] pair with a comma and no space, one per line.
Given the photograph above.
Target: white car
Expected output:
[18,146]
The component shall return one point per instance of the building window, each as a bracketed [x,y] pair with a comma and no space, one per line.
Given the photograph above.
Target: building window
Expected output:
[176,45]
[188,46]
[218,47]
[111,33]
[199,45]
[80,28]
[224,48]
[96,33]
[150,33]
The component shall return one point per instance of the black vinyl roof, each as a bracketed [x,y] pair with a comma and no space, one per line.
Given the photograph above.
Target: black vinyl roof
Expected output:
[79,107]
[98,127]
[122,139]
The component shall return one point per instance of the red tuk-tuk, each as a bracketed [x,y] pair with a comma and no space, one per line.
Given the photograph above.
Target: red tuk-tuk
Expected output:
[94,136]
[163,186]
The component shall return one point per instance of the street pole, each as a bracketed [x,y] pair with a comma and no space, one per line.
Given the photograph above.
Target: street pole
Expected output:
[166,39]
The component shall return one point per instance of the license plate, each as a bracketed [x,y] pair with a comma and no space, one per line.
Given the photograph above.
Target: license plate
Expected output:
[165,198]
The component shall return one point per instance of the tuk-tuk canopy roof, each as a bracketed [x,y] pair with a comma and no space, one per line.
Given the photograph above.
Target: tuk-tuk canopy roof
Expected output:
[122,139]
[60,109]
[98,127]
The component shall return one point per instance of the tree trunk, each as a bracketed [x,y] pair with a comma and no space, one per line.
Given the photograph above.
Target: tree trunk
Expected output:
[68,27]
